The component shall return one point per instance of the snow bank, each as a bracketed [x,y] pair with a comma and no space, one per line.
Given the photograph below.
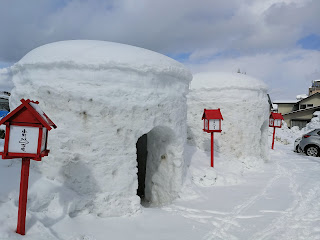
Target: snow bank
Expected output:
[245,109]
[103,97]
[287,135]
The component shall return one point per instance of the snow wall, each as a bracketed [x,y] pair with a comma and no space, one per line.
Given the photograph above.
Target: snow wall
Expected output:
[103,97]
[245,110]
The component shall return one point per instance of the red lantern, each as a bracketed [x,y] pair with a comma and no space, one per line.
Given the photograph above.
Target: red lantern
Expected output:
[26,137]
[212,120]
[26,132]
[275,121]
[212,123]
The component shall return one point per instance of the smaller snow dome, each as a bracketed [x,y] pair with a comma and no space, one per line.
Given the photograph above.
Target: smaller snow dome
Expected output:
[121,112]
[244,105]
[225,80]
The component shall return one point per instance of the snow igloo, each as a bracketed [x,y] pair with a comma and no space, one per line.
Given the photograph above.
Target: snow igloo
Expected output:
[245,110]
[121,115]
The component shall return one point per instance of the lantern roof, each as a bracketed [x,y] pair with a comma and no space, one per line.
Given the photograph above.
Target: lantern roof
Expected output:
[212,114]
[276,116]
[29,111]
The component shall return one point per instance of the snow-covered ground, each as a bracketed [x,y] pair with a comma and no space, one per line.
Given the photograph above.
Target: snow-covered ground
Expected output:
[280,200]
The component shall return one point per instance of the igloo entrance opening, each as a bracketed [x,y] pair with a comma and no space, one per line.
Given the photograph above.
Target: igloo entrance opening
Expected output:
[142,154]
[158,155]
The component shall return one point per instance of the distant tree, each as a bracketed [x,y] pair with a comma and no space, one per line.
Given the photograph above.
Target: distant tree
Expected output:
[238,70]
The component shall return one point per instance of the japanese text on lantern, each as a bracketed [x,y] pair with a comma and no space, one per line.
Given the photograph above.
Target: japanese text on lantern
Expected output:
[23,141]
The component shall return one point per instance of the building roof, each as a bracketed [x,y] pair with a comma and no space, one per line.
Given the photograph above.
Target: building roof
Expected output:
[317,93]
[285,101]
[302,110]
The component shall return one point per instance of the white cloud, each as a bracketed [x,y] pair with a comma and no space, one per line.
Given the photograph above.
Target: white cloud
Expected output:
[166,26]
[287,73]
[258,36]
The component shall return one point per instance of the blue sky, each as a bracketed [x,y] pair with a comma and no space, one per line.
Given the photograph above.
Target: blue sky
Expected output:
[311,41]
[277,41]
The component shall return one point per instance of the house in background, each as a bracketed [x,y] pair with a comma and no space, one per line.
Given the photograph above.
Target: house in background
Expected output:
[300,111]
[4,101]
[315,87]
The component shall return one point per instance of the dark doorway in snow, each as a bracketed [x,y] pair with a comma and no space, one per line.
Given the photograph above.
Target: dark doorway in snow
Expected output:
[142,153]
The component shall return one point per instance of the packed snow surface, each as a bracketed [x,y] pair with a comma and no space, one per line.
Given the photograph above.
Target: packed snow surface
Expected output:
[245,110]
[103,97]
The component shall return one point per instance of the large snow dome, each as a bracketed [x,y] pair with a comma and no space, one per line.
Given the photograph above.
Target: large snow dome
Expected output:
[121,116]
[245,110]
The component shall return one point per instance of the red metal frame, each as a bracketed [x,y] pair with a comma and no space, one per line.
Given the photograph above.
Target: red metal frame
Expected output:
[274,131]
[212,150]
[23,196]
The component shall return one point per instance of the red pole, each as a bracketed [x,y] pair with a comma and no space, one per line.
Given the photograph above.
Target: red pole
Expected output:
[274,131]
[212,149]
[23,196]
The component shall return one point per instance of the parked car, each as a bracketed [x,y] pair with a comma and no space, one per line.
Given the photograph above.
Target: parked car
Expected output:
[310,143]
[296,145]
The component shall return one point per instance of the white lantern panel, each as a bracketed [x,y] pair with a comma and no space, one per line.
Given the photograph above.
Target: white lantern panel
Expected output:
[44,137]
[271,121]
[23,139]
[277,122]
[214,124]
[206,124]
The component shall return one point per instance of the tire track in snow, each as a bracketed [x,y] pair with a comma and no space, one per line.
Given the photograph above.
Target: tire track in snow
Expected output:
[222,225]
[297,221]
[202,216]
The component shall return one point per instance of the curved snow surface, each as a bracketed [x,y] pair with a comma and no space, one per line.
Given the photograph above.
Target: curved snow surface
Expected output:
[245,109]
[103,97]
[99,55]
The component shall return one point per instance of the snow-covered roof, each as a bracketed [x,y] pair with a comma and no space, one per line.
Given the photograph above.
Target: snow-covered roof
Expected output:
[275,106]
[226,80]
[301,96]
[284,101]
[96,55]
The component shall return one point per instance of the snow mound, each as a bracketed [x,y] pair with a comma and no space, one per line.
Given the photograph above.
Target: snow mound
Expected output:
[245,110]
[104,97]
[98,55]
[225,81]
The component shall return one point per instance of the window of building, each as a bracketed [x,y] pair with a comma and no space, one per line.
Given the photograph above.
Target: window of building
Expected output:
[309,105]
[303,106]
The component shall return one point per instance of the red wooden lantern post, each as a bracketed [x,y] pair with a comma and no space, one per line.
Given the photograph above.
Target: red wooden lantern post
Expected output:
[26,137]
[212,123]
[275,121]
